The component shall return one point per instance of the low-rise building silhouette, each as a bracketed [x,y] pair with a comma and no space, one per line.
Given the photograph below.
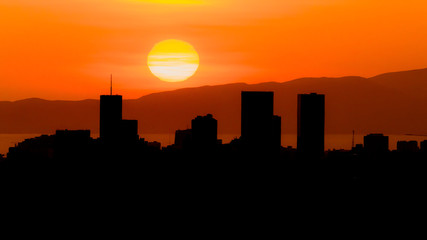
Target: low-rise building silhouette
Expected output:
[129,130]
[407,146]
[154,145]
[204,132]
[183,139]
[358,149]
[71,144]
[423,146]
[375,143]
[41,147]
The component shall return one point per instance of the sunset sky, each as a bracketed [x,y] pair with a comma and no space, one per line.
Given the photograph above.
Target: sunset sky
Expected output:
[67,49]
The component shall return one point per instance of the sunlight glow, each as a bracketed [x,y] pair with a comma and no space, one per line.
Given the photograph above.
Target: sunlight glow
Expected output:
[174,1]
[173,60]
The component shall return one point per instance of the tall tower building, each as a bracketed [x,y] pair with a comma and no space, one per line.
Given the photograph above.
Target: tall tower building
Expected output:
[311,125]
[112,127]
[110,117]
[257,119]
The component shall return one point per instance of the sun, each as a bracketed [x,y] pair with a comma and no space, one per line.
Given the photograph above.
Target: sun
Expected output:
[173,60]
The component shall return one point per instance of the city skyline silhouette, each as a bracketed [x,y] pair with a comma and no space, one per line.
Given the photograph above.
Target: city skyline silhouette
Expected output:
[198,157]
[224,116]
[259,128]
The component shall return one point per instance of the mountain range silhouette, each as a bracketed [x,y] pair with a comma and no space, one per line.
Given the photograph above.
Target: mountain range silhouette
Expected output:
[392,103]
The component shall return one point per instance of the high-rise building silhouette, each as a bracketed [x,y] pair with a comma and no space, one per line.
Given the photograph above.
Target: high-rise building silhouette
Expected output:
[257,123]
[110,117]
[112,126]
[311,125]
[205,131]
[375,143]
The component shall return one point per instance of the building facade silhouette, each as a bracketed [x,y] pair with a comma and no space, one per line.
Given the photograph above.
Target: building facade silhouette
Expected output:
[423,146]
[259,127]
[129,130]
[407,146]
[375,143]
[112,127]
[72,144]
[311,125]
[204,131]
[110,120]
[183,139]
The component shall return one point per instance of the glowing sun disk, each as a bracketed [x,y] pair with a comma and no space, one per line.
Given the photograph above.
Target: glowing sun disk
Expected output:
[173,60]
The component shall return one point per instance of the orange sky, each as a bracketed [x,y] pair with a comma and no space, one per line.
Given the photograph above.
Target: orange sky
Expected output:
[67,49]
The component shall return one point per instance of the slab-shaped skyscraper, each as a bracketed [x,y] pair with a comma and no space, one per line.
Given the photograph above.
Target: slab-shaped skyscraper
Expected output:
[259,127]
[110,117]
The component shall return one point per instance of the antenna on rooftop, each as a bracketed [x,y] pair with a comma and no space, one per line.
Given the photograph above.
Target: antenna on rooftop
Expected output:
[111,84]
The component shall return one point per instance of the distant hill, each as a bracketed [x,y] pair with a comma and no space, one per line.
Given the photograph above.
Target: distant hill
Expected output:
[393,103]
